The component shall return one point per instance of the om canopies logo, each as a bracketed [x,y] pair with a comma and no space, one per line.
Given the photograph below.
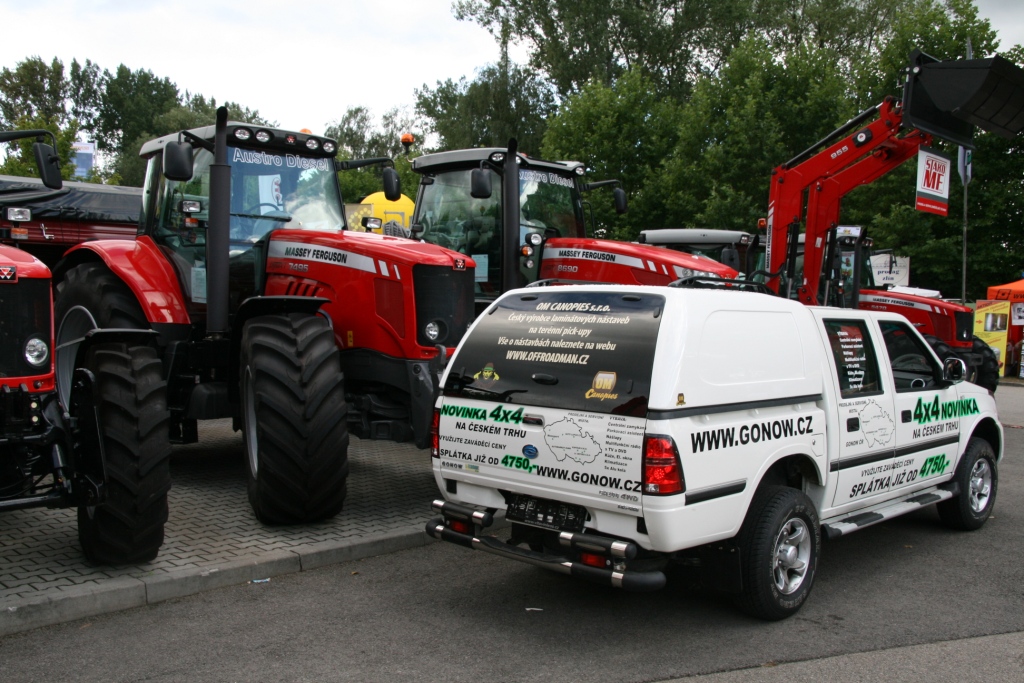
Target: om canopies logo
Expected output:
[603,386]
[530,451]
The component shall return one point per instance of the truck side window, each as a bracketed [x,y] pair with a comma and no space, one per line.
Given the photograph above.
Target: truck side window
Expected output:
[913,367]
[855,358]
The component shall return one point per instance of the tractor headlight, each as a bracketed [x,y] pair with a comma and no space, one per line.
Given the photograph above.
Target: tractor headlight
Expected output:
[37,352]
[434,331]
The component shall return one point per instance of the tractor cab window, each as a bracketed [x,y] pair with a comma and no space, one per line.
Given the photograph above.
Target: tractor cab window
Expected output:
[272,191]
[452,218]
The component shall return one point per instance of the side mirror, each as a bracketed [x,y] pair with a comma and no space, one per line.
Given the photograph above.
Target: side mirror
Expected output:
[371,224]
[731,257]
[619,197]
[479,184]
[392,184]
[178,161]
[48,164]
[954,370]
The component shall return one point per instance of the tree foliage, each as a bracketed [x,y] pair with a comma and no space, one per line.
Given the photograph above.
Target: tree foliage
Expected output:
[504,101]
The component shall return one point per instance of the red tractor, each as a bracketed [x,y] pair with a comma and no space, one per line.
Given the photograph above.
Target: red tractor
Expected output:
[941,99]
[88,431]
[457,207]
[267,310]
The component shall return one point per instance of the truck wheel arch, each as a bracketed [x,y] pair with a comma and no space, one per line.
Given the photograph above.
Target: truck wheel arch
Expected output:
[988,430]
[790,469]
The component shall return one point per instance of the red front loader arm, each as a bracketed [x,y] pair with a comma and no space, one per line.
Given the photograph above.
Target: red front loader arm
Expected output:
[857,159]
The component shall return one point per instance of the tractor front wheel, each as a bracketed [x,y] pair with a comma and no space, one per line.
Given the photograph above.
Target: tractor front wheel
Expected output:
[131,422]
[294,418]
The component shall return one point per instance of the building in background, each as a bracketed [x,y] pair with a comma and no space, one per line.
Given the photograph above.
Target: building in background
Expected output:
[82,159]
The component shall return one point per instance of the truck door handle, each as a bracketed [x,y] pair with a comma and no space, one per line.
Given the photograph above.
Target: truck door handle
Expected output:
[542,378]
[853,424]
[905,416]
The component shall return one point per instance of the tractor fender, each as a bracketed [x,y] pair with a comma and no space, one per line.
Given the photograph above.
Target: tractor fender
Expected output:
[141,265]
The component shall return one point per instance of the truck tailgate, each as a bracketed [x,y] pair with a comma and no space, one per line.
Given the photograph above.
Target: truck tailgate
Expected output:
[585,458]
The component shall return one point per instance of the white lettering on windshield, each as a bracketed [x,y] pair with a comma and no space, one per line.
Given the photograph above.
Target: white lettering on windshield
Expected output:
[246,156]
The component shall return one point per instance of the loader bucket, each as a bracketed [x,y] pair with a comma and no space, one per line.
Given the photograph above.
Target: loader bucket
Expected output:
[947,99]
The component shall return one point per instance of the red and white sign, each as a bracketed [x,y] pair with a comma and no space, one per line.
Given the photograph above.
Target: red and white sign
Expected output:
[933,174]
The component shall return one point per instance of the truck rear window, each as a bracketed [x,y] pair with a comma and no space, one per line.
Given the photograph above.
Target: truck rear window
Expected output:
[588,351]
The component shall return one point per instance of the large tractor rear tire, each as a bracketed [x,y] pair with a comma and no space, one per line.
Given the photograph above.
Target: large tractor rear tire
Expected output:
[131,407]
[94,287]
[294,418]
[987,374]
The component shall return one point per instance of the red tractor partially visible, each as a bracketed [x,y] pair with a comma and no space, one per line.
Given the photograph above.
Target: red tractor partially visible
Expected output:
[88,431]
[533,226]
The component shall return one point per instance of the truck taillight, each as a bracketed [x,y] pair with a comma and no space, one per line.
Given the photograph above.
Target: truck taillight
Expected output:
[435,441]
[663,474]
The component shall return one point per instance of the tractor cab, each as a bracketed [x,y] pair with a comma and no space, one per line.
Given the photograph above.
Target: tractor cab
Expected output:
[279,179]
[459,206]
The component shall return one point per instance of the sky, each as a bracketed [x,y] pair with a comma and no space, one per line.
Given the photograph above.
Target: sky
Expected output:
[301,64]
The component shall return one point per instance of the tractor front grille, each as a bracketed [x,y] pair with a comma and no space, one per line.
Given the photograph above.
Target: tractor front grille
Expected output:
[25,307]
[445,296]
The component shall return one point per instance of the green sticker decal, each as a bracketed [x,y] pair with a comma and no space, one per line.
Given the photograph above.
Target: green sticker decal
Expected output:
[937,464]
[934,410]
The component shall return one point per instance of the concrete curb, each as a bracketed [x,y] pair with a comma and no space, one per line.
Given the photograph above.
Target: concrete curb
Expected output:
[112,595]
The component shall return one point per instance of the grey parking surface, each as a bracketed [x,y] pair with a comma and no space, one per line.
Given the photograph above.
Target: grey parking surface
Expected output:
[211,538]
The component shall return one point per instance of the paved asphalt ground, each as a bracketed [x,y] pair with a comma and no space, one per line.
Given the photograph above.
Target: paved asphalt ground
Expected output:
[921,604]
[211,538]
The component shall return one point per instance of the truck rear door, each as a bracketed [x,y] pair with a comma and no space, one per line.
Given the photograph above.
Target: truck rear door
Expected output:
[547,399]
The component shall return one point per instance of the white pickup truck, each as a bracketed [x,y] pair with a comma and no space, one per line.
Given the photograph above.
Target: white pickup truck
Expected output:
[623,428]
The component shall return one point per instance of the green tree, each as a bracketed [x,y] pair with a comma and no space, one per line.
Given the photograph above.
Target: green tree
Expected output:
[758,111]
[574,42]
[504,101]
[33,90]
[20,161]
[130,103]
[359,136]
[623,131]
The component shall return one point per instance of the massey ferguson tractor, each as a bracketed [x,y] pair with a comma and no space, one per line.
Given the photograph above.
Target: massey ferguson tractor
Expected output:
[88,431]
[457,207]
[267,310]
[944,100]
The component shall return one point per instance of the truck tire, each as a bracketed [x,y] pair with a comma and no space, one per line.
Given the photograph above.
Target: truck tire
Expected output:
[131,404]
[780,543]
[94,287]
[978,479]
[987,374]
[293,418]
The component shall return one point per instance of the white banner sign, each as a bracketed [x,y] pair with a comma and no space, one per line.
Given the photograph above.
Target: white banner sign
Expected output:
[891,270]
